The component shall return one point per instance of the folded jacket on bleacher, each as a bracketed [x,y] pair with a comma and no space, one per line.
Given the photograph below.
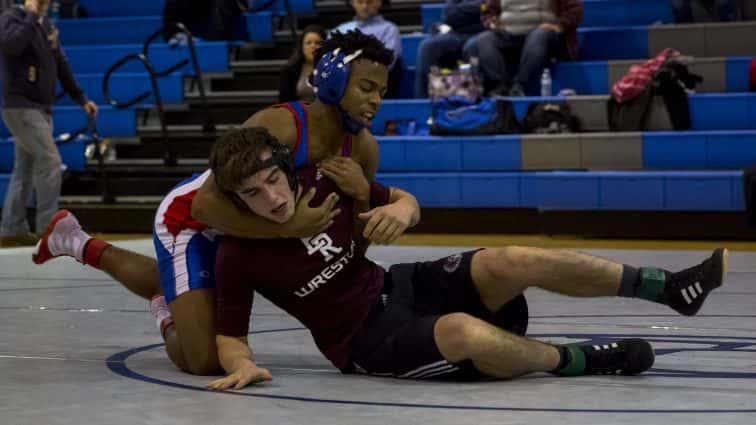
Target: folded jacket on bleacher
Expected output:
[32,62]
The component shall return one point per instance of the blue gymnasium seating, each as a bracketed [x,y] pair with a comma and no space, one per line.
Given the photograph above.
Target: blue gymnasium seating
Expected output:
[125,86]
[72,154]
[688,150]
[111,122]
[598,13]
[710,111]
[213,57]
[640,42]
[576,190]
[728,75]
[595,44]
[99,31]
[110,8]
[593,77]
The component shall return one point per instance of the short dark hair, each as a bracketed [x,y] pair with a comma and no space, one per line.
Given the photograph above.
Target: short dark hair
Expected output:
[354,40]
[235,156]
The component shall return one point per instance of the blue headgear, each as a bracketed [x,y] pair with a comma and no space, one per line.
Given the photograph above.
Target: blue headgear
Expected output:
[331,75]
[330,79]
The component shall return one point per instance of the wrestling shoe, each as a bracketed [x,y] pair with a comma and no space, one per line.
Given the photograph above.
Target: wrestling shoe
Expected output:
[624,357]
[686,290]
[63,237]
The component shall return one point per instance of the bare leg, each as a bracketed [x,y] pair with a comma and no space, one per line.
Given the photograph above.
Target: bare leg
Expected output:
[190,342]
[493,351]
[136,272]
[500,354]
[503,273]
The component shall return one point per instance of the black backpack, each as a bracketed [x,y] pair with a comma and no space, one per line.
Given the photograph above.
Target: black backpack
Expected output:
[670,82]
[550,118]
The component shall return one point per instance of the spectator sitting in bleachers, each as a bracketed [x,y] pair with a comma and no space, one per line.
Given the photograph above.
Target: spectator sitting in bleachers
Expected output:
[523,37]
[720,10]
[294,76]
[368,19]
[463,17]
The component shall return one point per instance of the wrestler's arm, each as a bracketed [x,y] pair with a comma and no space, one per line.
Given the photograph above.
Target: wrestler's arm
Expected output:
[214,208]
[235,357]
[234,295]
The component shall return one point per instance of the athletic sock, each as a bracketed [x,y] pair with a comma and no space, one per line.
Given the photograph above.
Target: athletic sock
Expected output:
[646,283]
[161,313]
[92,252]
[571,361]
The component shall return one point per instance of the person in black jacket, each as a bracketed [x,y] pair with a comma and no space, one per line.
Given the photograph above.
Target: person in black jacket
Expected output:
[463,17]
[294,76]
[32,62]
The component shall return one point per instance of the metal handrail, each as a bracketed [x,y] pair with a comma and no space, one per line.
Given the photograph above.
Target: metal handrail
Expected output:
[168,157]
[102,174]
[208,126]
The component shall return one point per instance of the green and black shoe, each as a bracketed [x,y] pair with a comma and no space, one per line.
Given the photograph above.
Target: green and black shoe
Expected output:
[624,357]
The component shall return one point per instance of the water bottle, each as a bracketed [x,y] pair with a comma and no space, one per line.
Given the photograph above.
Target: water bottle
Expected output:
[475,66]
[53,12]
[546,83]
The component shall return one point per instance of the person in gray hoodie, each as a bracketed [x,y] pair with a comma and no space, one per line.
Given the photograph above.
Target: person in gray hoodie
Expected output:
[32,62]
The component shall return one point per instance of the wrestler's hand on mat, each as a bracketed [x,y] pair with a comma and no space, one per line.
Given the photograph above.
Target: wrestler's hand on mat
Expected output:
[348,175]
[248,374]
[307,220]
[385,224]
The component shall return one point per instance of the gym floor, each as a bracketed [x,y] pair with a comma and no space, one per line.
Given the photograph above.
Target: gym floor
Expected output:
[77,348]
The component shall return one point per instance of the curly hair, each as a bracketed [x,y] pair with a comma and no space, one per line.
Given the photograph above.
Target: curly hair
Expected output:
[351,41]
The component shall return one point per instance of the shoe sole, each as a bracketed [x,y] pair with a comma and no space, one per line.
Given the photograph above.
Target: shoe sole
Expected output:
[723,264]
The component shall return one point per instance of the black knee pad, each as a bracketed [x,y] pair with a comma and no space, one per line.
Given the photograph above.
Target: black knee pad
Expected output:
[513,316]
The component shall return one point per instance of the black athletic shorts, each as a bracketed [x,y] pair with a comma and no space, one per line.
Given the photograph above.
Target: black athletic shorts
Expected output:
[397,339]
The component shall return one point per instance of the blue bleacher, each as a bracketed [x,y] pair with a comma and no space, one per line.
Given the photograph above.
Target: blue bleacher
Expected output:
[213,57]
[125,86]
[677,150]
[111,122]
[99,31]
[597,13]
[458,172]
[103,8]
[72,154]
[576,190]
[592,77]
[595,44]
[709,111]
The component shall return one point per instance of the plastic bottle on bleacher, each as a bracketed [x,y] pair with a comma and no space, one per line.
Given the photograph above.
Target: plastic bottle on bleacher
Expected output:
[546,82]
[53,12]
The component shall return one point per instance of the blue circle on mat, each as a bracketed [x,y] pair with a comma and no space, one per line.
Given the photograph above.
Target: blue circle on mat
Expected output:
[117,364]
